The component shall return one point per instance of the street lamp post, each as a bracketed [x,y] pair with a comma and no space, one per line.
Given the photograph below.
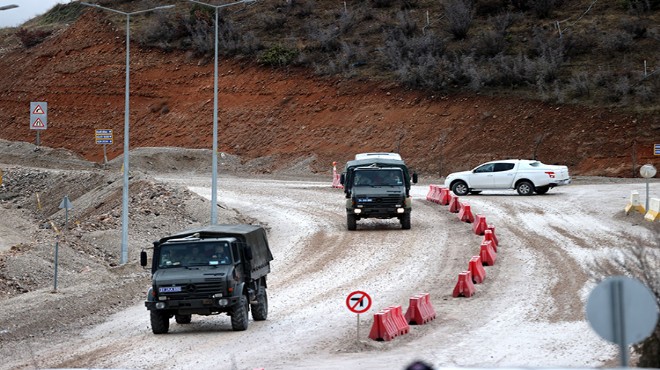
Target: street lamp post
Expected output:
[124,216]
[214,163]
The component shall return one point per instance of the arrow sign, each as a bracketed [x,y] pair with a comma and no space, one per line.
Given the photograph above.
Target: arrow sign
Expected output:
[358,302]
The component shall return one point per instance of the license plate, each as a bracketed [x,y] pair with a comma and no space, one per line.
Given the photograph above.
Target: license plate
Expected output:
[169,289]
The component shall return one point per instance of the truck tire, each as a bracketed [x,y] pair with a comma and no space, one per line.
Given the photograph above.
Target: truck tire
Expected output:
[542,190]
[405,221]
[460,188]
[260,309]
[239,317]
[351,221]
[525,188]
[160,322]
[183,319]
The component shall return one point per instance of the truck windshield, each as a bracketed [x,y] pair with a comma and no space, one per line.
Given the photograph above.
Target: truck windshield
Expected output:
[194,254]
[380,177]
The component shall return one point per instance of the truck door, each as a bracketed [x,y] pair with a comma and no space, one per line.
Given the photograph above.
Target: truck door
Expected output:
[482,177]
[503,175]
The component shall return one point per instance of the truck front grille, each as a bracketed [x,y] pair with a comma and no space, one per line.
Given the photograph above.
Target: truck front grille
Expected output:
[196,290]
[380,201]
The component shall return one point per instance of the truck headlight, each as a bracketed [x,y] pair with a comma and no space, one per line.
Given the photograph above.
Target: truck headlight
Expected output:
[160,305]
[223,302]
[357,211]
[400,210]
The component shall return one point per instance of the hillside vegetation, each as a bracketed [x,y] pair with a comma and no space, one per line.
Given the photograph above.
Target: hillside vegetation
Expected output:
[604,53]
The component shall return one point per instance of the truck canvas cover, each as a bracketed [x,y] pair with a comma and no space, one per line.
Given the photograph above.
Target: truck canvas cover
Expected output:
[253,236]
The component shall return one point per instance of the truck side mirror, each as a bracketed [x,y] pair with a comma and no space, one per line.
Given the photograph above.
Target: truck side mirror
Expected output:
[143,259]
[414,178]
[248,253]
[342,178]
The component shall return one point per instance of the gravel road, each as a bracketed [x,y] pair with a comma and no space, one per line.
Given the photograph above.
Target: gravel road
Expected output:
[529,311]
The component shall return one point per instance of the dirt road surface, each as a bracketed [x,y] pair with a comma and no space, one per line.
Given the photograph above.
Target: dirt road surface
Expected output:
[528,312]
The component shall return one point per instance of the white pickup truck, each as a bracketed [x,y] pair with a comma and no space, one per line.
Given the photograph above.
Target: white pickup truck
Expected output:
[526,176]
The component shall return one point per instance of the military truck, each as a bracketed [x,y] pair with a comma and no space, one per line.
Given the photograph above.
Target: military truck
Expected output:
[207,271]
[377,185]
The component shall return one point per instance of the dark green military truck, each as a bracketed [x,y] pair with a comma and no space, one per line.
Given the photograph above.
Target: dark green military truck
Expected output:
[377,185]
[207,271]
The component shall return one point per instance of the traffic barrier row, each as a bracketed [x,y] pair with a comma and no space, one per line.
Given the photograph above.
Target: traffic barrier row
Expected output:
[438,194]
[390,322]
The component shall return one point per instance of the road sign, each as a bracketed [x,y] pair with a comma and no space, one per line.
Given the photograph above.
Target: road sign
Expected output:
[656,149]
[358,302]
[38,115]
[623,311]
[103,136]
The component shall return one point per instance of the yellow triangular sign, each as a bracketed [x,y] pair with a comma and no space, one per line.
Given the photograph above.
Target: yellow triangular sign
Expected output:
[38,110]
[38,123]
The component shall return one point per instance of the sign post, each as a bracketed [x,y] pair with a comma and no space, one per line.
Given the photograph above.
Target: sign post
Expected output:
[623,311]
[38,117]
[104,136]
[647,171]
[358,302]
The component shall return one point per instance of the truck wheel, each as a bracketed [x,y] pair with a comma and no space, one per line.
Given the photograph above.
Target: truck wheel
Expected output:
[542,189]
[405,221]
[351,221]
[160,322]
[460,188]
[525,188]
[183,319]
[260,309]
[239,317]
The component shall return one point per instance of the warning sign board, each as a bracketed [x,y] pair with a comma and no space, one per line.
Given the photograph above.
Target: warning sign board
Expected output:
[358,302]
[38,115]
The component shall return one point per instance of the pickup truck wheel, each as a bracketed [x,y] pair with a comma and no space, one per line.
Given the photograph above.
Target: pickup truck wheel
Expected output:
[160,322]
[460,188]
[405,221]
[525,188]
[260,309]
[239,317]
[542,189]
[351,221]
[183,319]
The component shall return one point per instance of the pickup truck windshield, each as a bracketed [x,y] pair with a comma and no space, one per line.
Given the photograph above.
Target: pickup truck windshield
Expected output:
[194,254]
[381,177]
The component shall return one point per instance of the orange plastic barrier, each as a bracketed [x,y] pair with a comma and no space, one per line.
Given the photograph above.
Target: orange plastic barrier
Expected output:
[490,237]
[444,196]
[420,310]
[487,253]
[465,213]
[336,183]
[464,287]
[479,225]
[434,194]
[476,268]
[429,195]
[492,230]
[454,204]
[399,320]
[383,327]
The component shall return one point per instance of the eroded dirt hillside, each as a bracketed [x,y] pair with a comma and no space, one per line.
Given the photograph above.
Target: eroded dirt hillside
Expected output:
[286,115]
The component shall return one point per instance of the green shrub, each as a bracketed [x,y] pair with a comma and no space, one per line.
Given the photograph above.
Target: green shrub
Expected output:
[278,56]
